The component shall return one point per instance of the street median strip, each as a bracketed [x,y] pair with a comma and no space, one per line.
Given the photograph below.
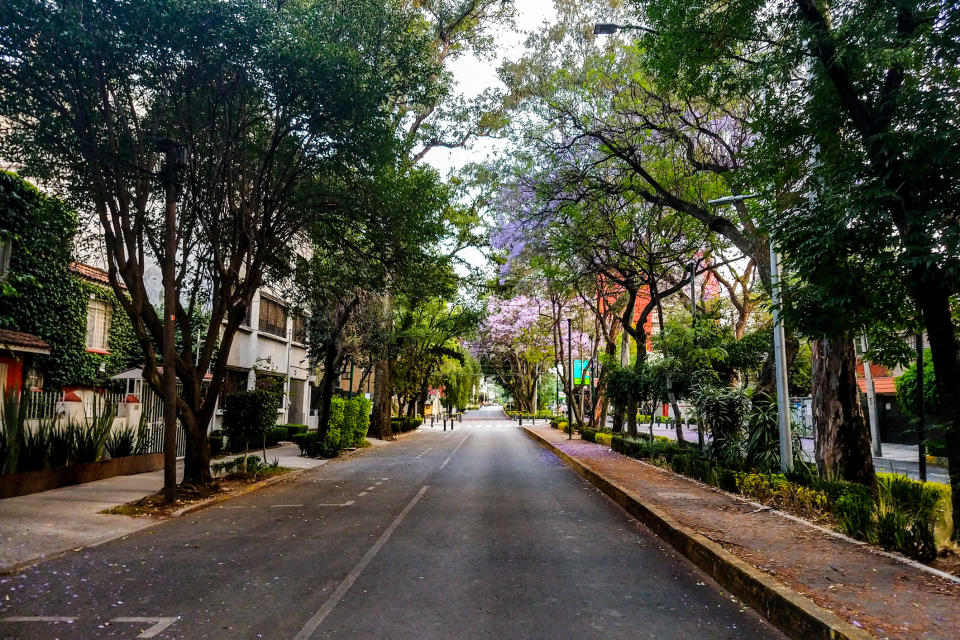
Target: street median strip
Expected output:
[792,613]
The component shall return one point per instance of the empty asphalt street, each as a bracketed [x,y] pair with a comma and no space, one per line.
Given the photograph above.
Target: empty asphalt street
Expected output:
[472,533]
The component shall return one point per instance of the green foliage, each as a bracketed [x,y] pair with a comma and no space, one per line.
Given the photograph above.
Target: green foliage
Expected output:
[13,418]
[216,442]
[722,410]
[659,448]
[294,429]
[122,442]
[907,394]
[247,415]
[274,435]
[359,422]
[245,464]
[776,491]
[854,513]
[46,299]
[405,424]
[306,441]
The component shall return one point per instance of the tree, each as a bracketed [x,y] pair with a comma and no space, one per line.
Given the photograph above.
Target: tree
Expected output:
[432,118]
[907,393]
[265,99]
[515,345]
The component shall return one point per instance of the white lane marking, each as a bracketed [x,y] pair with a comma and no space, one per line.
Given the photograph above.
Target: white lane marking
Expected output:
[361,494]
[336,504]
[341,590]
[455,451]
[370,488]
[423,452]
[159,624]
[38,619]
[286,505]
[378,483]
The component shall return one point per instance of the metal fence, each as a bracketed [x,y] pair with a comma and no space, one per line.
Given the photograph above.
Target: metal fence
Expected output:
[50,405]
[151,420]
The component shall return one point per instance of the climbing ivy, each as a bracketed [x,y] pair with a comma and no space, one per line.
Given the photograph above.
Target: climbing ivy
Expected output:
[43,297]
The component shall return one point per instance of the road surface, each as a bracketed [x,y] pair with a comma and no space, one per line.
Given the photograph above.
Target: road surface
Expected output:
[470,533]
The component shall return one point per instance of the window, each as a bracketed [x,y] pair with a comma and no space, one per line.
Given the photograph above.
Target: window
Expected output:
[98,325]
[6,249]
[33,380]
[299,329]
[273,318]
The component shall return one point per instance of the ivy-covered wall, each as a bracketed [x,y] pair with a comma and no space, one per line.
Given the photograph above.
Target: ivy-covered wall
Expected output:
[42,296]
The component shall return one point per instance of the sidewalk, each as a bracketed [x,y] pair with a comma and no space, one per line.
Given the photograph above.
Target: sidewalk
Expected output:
[868,589]
[897,458]
[39,525]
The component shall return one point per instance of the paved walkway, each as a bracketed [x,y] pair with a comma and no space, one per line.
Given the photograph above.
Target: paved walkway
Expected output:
[868,588]
[897,458]
[39,525]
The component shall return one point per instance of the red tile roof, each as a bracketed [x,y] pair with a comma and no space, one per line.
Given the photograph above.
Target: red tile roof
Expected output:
[26,341]
[93,274]
[883,385]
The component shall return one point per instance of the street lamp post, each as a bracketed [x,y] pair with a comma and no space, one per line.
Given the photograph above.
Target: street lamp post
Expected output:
[779,347]
[570,377]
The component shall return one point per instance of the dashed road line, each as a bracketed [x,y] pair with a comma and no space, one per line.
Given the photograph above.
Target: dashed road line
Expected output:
[454,451]
[317,619]
[68,619]
[159,624]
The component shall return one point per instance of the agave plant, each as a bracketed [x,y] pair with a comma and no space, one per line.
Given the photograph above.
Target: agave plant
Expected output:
[35,446]
[121,443]
[13,417]
[62,445]
[92,436]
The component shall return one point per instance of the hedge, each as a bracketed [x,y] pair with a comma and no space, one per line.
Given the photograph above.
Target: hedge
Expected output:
[349,422]
[911,517]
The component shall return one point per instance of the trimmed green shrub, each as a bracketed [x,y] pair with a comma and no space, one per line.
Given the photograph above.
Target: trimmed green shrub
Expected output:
[405,424]
[306,442]
[854,513]
[247,415]
[294,429]
[356,421]
[216,443]
[274,435]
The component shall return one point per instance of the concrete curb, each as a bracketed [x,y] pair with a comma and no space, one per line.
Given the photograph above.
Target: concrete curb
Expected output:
[256,486]
[792,613]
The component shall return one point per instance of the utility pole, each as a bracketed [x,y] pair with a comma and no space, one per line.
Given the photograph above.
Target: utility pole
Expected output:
[779,347]
[175,159]
[871,401]
[780,360]
[570,377]
[921,427]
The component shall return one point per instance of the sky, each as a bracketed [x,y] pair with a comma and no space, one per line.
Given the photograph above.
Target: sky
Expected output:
[473,76]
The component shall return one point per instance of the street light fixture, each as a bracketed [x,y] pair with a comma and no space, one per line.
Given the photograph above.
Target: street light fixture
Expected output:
[779,346]
[608,28]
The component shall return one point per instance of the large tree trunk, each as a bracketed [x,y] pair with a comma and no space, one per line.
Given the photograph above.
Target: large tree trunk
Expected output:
[196,462]
[331,368]
[767,378]
[382,401]
[842,434]
[945,352]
